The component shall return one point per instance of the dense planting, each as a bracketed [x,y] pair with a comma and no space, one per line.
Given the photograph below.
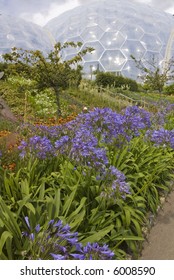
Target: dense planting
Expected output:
[85,189]
[109,79]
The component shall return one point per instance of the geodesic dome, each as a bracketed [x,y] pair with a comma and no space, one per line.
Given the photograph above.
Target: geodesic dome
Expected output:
[15,32]
[116,29]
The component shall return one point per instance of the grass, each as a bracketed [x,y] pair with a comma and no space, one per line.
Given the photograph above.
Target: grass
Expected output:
[147,96]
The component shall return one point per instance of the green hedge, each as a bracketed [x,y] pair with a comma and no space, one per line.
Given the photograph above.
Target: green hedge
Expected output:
[110,79]
[169,89]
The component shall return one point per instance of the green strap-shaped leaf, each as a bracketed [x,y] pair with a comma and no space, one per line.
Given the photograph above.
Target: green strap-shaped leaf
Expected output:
[68,203]
[98,235]
[30,207]
[77,221]
[4,237]
[74,213]
[22,203]
[128,217]
[57,203]
[8,219]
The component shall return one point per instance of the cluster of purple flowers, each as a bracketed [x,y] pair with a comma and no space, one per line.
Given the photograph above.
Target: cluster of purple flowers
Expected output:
[158,119]
[85,149]
[62,145]
[164,110]
[93,251]
[51,132]
[41,147]
[107,125]
[116,183]
[91,131]
[57,242]
[83,139]
[161,137]
[104,123]
[170,108]
[136,119]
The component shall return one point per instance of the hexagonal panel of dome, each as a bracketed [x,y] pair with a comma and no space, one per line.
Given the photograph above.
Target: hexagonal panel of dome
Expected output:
[116,30]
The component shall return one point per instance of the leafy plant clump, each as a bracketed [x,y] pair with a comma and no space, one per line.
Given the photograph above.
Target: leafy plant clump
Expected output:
[56,241]
[111,80]
[98,175]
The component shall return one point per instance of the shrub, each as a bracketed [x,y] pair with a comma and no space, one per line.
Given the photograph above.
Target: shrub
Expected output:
[169,89]
[110,79]
[133,86]
[105,79]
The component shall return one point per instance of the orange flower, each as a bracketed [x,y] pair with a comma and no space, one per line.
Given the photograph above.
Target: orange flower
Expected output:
[4,133]
[10,166]
[53,121]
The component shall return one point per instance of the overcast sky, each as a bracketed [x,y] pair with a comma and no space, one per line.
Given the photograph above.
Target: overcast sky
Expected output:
[40,11]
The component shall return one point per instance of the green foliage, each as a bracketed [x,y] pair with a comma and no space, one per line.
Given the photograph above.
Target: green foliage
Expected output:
[16,91]
[132,85]
[148,177]
[22,95]
[50,71]
[154,76]
[169,121]
[43,103]
[105,79]
[55,189]
[155,81]
[169,89]
[74,198]
[7,125]
[111,80]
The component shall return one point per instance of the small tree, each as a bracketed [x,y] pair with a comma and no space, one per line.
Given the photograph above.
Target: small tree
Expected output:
[154,76]
[47,71]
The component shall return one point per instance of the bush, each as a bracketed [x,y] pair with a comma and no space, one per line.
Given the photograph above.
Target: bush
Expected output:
[133,86]
[105,79]
[119,81]
[169,89]
[109,79]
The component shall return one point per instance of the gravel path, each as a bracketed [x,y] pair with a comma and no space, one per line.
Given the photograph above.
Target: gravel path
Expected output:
[160,245]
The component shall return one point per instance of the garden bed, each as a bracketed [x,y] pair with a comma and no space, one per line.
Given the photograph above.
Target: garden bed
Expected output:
[89,183]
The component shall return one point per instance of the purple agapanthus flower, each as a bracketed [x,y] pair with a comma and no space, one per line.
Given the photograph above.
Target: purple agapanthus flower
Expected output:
[136,119]
[114,184]
[41,147]
[93,251]
[161,137]
[57,242]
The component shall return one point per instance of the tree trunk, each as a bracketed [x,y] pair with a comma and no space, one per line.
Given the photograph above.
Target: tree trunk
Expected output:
[58,101]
